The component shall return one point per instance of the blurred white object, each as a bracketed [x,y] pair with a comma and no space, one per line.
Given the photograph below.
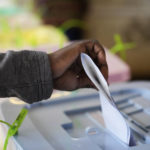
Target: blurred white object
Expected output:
[119,71]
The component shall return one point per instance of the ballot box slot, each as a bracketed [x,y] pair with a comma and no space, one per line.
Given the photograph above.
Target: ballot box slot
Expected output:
[148,127]
[142,118]
[124,95]
[135,112]
[139,125]
[129,108]
[83,110]
[127,105]
[141,101]
[139,138]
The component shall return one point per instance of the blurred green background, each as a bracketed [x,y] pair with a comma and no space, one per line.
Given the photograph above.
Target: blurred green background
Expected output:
[32,24]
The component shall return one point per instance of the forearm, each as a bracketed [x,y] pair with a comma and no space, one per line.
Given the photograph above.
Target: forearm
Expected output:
[25,74]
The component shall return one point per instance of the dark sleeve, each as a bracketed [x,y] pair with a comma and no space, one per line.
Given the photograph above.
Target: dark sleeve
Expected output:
[26,75]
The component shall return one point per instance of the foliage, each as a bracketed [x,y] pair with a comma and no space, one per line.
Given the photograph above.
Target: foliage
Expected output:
[121,47]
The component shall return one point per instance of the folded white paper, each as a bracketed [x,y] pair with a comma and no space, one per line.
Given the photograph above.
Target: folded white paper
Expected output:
[113,119]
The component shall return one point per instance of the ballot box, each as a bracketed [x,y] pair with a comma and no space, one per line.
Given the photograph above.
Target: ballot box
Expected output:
[75,122]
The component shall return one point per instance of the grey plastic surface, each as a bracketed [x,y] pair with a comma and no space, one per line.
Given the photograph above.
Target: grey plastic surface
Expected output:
[68,123]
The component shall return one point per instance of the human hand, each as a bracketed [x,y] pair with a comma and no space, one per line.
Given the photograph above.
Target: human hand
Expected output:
[67,71]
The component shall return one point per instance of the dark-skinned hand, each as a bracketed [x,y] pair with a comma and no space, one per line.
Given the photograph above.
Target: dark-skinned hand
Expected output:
[67,71]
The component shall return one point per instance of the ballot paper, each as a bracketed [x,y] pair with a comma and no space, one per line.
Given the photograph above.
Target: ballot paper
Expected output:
[113,119]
